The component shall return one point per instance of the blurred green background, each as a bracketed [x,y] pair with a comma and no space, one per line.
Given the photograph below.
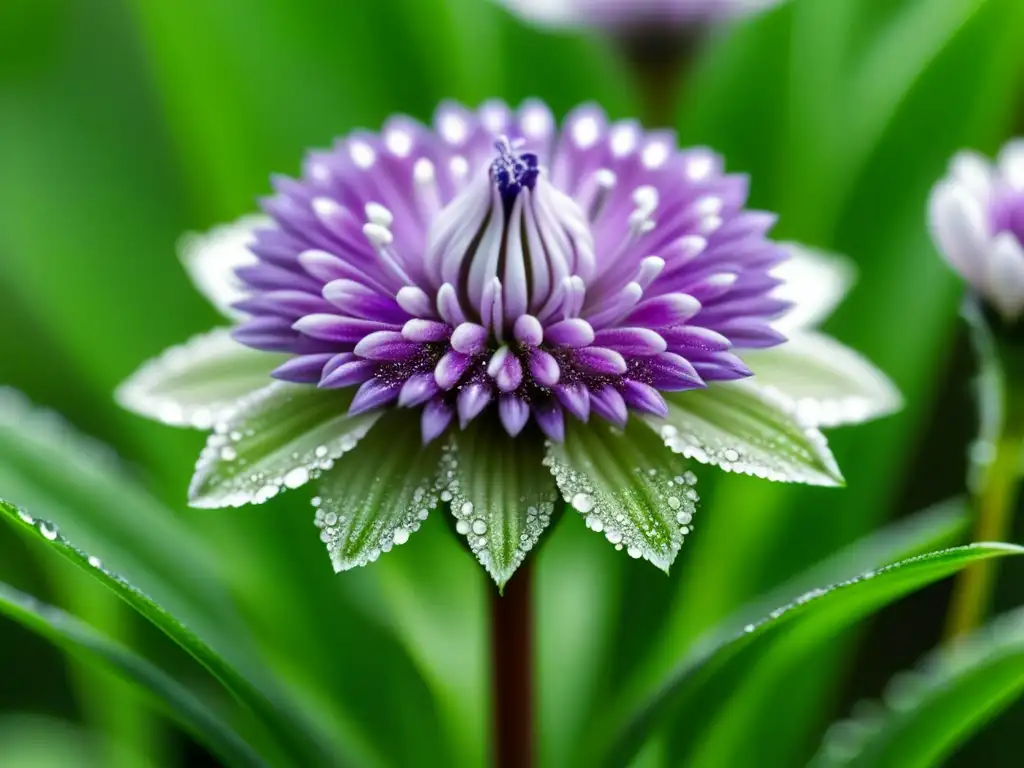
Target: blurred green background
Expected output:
[124,123]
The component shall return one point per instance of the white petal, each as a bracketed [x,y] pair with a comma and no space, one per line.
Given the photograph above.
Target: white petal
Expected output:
[501,494]
[198,383]
[816,282]
[377,495]
[211,259]
[974,172]
[828,383]
[1005,285]
[280,437]
[958,226]
[1011,163]
[742,428]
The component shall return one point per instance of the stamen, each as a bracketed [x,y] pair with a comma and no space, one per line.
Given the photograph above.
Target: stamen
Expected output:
[428,197]
[513,172]
[596,192]
[380,237]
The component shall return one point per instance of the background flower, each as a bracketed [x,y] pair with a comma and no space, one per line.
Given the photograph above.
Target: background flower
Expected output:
[976,215]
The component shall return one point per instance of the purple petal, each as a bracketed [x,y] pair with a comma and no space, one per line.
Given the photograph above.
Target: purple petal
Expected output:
[339,329]
[644,397]
[544,368]
[417,390]
[631,341]
[722,366]
[575,398]
[574,332]
[684,337]
[672,373]
[506,370]
[750,333]
[600,361]
[347,373]
[386,345]
[284,303]
[448,305]
[472,400]
[451,368]
[551,420]
[607,403]
[425,331]
[270,334]
[763,307]
[663,311]
[528,330]
[373,394]
[267,277]
[514,413]
[305,369]
[710,287]
[469,338]
[415,301]
[358,300]
[437,415]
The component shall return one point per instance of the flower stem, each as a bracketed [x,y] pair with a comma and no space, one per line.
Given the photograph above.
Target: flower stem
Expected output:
[659,63]
[512,669]
[995,503]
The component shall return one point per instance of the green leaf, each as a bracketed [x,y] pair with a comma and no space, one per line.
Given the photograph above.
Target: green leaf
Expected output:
[627,486]
[280,437]
[741,428]
[35,741]
[927,712]
[379,494]
[828,383]
[199,383]
[46,465]
[292,734]
[697,690]
[181,704]
[501,494]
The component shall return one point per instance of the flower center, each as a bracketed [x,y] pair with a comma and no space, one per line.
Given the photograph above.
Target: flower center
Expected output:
[511,244]
[513,172]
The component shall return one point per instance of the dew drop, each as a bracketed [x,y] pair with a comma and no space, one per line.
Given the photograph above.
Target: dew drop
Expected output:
[467,508]
[673,501]
[297,477]
[479,527]
[95,562]
[49,530]
[582,502]
[401,536]
[634,552]
[462,526]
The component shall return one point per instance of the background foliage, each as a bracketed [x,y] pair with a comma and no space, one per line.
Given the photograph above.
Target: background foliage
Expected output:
[126,122]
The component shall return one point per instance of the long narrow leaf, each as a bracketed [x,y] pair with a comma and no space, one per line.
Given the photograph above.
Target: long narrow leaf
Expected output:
[690,693]
[70,634]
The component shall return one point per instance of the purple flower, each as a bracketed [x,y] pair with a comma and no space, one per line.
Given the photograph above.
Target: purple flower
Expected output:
[498,265]
[625,15]
[976,215]
[495,310]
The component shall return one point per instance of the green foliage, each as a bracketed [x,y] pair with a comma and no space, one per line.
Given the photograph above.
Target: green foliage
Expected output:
[125,123]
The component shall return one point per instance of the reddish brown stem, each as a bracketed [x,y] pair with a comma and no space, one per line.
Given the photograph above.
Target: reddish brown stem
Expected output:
[512,663]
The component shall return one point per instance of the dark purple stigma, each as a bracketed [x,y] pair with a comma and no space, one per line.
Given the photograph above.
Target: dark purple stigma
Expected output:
[512,171]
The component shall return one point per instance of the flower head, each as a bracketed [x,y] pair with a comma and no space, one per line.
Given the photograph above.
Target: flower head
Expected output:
[976,214]
[491,311]
[499,265]
[627,15]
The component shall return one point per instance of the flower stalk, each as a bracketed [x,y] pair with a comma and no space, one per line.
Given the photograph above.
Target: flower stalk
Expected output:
[512,670]
[996,460]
